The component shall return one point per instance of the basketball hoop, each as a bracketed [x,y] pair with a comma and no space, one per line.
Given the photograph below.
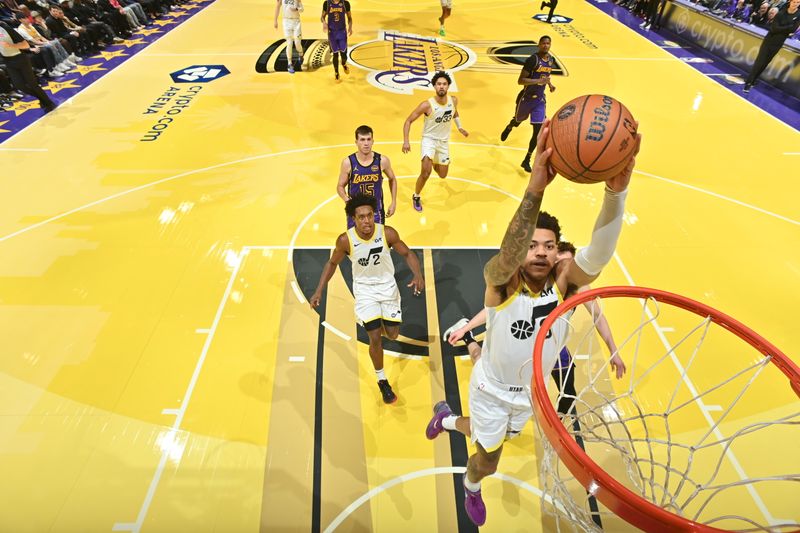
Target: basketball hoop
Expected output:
[686,438]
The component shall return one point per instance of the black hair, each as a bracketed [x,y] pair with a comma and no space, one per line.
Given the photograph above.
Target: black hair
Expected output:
[441,74]
[545,37]
[566,246]
[363,130]
[357,201]
[547,221]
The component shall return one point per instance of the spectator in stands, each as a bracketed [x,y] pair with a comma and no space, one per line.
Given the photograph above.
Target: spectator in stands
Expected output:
[786,22]
[111,11]
[135,9]
[86,13]
[739,11]
[19,68]
[759,18]
[78,36]
[63,60]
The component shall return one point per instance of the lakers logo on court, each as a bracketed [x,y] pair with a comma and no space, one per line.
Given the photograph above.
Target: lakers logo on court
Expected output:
[401,62]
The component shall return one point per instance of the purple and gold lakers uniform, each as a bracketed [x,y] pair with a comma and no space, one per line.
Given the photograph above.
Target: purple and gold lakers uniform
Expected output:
[531,99]
[366,179]
[337,26]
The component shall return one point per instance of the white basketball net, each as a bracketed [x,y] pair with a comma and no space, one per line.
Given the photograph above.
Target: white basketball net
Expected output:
[702,425]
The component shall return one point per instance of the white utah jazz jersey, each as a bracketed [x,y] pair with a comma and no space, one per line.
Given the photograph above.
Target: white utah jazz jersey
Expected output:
[289,6]
[371,259]
[511,330]
[437,124]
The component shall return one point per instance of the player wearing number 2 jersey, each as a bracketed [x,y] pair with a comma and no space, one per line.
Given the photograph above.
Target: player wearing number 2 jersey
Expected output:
[362,173]
[377,296]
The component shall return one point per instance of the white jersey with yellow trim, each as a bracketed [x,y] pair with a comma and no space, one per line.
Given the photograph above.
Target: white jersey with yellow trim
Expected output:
[437,124]
[511,330]
[371,259]
[292,8]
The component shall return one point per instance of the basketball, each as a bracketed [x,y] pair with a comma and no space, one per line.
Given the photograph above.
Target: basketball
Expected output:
[593,138]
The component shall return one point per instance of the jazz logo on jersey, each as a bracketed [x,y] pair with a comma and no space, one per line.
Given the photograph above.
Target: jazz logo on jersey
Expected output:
[374,255]
[446,117]
[401,62]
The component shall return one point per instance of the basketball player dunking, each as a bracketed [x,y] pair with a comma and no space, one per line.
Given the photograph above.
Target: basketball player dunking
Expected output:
[439,111]
[292,30]
[333,23]
[524,283]
[531,99]
[374,287]
[362,173]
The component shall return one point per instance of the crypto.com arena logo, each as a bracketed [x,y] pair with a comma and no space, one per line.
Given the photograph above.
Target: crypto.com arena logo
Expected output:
[401,62]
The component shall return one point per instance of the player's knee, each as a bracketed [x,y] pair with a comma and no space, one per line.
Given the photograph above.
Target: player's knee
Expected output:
[392,332]
[442,171]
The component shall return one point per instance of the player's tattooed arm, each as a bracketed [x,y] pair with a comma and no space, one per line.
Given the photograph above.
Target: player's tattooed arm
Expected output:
[516,241]
[501,267]
[341,250]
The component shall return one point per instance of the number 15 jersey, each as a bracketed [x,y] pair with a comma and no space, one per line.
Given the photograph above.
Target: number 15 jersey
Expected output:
[372,261]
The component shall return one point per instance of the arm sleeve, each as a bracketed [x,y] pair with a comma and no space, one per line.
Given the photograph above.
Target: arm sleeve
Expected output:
[346,6]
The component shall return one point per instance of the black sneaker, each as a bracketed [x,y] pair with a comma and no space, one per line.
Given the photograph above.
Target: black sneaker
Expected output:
[346,69]
[504,135]
[747,87]
[526,165]
[386,391]
[337,76]
[542,6]
[416,201]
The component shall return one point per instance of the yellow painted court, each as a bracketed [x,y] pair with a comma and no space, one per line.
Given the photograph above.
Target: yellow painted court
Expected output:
[161,369]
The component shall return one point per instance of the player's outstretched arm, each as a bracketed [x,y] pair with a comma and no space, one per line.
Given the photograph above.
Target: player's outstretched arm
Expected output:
[393,240]
[344,173]
[591,260]
[477,320]
[421,109]
[387,169]
[341,250]
[501,267]
[604,330]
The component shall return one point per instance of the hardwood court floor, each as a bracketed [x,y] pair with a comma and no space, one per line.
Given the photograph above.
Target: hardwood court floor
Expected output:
[161,370]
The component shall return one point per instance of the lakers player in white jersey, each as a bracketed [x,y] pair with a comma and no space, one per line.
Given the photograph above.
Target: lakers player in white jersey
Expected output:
[524,283]
[292,29]
[439,112]
[368,245]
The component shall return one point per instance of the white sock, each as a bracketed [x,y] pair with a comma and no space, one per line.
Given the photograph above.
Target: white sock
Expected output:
[470,486]
[381,375]
[289,44]
[449,422]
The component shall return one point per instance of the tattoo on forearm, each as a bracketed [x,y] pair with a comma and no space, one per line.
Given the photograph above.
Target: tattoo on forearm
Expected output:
[516,241]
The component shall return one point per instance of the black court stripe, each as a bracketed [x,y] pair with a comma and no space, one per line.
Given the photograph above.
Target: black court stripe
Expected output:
[308,265]
[316,504]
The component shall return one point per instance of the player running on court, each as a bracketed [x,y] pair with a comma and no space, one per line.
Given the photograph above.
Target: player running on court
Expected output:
[333,23]
[377,297]
[439,112]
